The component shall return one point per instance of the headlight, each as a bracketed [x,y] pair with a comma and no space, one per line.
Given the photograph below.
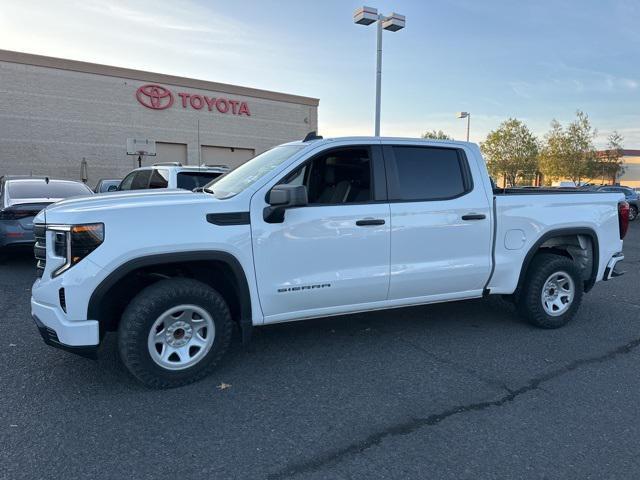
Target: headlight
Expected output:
[74,242]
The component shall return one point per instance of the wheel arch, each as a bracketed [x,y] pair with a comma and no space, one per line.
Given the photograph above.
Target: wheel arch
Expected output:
[102,308]
[564,232]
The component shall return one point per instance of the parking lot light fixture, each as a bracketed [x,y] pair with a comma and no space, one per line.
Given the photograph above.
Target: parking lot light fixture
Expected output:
[466,115]
[392,23]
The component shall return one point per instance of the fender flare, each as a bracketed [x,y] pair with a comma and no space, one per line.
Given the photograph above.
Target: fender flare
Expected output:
[590,282]
[245,321]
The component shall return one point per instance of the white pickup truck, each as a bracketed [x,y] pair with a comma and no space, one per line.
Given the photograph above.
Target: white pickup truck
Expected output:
[311,229]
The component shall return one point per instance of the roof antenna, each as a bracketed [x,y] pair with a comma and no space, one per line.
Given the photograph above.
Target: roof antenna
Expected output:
[312,136]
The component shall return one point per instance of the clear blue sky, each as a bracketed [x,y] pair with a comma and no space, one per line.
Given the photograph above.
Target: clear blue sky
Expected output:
[534,60]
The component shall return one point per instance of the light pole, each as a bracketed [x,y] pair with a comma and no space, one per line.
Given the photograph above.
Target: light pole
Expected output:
[466,115]
[392,23]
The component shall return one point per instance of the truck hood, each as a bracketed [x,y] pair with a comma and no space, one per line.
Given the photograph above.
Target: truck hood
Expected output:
[94,207]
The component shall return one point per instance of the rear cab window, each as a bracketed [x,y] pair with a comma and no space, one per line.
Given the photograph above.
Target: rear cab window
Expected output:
[417,173]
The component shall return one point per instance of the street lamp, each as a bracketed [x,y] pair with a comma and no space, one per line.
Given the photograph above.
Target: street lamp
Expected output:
[392,23]
[466,115]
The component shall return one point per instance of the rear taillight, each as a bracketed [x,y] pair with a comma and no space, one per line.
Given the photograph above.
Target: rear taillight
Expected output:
[623,218]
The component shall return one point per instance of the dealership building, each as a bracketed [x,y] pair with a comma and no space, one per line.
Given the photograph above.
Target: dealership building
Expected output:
[57,114]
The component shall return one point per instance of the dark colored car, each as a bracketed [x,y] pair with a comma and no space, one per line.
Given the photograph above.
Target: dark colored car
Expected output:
[107,185]
[630,195]
[21,198]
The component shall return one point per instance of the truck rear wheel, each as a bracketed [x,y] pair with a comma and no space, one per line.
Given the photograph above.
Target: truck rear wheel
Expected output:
[552,291]
[174,332]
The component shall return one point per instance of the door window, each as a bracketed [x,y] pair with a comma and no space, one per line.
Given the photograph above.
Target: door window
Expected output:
[427,173]
[337,177]
[159,179]
[137,180]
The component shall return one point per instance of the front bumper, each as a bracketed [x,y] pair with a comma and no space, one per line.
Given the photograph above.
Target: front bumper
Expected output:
[82,337]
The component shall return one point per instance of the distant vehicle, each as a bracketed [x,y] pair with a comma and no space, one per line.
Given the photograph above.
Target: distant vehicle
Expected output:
[107,185]
[21,198]
[171,175]
[630,195]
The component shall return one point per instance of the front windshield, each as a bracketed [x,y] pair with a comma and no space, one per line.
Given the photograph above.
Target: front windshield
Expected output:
[248,173]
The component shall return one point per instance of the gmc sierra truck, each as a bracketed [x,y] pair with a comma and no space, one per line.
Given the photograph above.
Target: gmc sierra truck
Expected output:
[311,229]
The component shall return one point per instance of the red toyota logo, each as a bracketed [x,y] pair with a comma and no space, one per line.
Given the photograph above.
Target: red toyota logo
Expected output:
[154,97]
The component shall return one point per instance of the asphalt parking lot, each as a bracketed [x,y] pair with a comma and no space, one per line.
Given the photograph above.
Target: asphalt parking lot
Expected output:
[456,391]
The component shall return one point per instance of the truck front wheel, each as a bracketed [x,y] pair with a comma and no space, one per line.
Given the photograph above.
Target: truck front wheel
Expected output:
[174,332]
[552,291]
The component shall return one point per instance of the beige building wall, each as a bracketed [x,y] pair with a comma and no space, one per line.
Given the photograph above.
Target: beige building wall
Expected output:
[631,176]
[54,113]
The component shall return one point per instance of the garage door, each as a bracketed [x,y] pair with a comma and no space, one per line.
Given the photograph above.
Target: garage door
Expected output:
[169,152]
[225,155]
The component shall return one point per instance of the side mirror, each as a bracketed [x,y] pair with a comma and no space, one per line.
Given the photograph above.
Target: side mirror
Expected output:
[282,197]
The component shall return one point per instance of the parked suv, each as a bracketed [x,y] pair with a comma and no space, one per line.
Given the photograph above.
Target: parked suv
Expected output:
[21,198]
[171,175]
[311,229]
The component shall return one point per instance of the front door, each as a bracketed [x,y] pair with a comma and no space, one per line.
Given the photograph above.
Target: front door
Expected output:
[331,256]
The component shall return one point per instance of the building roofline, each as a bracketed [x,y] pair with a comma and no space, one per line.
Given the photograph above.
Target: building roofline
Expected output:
[152,77]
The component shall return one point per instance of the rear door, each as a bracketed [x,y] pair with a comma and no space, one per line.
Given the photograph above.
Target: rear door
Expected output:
[440,223]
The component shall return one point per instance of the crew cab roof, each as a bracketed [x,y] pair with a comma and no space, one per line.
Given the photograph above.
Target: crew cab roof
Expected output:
[373,140]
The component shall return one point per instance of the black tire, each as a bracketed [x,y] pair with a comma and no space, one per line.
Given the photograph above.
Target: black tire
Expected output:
[633,213]
[147,306]
[529,301]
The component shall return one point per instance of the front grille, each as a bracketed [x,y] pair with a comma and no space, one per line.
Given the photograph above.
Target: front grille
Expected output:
[40,247]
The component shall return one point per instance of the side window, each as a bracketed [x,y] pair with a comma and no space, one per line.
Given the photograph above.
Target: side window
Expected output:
[137,180]
[337,177]
[426,173]
[159,179]
[141,180]
[125,184]
[191,180]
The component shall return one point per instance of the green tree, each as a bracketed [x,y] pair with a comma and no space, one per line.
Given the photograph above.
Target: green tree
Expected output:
[511,151]
[610,162]
[436,135]
[569,152]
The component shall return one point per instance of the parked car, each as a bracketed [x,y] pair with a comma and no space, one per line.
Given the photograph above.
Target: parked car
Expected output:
[303,231]
[107,185]
[21,198]
[171,175]
[631,196]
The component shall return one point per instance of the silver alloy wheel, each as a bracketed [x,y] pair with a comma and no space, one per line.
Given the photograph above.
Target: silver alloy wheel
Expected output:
[633,213]
[181,337]
[557,293]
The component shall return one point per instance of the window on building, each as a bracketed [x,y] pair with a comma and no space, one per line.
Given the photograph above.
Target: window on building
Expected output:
[424,173]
